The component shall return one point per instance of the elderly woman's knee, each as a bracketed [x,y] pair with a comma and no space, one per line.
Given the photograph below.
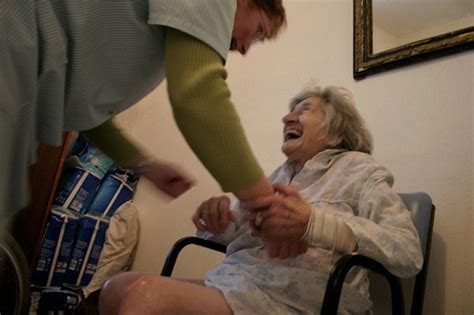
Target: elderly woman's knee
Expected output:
[109,298]
[114,290]
[139,288]
[142,295]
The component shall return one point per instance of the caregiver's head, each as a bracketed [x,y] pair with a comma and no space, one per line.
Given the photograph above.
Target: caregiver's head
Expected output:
[255,21]
[320,119]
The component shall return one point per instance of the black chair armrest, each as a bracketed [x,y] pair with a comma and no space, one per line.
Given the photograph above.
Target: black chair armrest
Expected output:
[183,242]
[339,272]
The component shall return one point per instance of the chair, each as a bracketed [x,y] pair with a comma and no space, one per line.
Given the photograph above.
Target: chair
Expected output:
[422,213]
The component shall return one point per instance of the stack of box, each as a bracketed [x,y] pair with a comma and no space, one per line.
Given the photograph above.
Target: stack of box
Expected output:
[90,191]
[116,189]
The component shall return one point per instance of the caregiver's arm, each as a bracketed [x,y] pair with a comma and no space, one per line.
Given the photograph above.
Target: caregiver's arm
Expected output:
[110,139]
[166,177]
[201,104]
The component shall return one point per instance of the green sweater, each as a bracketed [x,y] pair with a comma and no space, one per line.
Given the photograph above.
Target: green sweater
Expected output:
[203,111]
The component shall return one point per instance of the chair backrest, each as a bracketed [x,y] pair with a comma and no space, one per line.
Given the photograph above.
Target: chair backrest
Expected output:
[422,213]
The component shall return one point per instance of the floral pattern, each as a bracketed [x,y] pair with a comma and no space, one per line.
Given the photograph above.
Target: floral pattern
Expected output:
[350,184]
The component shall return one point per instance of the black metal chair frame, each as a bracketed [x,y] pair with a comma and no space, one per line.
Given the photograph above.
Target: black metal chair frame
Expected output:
[337,275]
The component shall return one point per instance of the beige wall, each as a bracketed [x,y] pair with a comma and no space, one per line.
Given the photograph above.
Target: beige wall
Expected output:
[421,117]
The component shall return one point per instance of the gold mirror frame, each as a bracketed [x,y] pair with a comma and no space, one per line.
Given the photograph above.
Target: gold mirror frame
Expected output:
[367,63]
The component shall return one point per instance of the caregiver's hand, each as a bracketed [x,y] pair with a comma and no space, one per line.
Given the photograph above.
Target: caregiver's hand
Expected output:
[168,178]
[280,217]
[213,215]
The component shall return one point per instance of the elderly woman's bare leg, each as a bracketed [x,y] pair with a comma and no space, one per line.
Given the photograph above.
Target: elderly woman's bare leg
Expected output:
[135,293]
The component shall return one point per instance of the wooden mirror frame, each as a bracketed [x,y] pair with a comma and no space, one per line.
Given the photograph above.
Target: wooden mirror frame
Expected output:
[367,63]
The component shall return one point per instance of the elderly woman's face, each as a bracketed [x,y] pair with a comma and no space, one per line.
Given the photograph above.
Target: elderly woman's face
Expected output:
[302,133]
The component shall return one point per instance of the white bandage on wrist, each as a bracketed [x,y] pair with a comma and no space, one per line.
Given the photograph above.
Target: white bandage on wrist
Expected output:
[309,228]
[329,231]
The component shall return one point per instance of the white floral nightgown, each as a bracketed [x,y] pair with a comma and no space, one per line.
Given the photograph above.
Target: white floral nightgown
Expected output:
[350,184]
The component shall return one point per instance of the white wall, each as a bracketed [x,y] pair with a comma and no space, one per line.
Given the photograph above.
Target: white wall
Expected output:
[421,118]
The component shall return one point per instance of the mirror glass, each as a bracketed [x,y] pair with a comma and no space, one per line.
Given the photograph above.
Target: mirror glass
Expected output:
[389,34]
[400,22]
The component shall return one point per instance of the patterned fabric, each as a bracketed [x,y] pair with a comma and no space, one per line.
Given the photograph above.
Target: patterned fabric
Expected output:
[71,65]
[209,21]
[349,184]
[19,66]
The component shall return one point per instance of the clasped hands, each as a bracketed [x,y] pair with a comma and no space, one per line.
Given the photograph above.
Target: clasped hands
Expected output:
[280,220]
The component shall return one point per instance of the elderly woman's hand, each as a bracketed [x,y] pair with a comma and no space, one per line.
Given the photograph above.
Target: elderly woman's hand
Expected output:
[280,217]
[213,215]
[286,249]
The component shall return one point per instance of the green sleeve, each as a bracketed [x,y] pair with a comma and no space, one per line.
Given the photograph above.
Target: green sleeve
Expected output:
[109,138]
[204,112]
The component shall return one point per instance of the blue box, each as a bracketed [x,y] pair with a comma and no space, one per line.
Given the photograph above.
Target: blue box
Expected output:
[87,248]
[83,172]
[92,262]
[55,250]
[116,189]
[76,189]
[90,157]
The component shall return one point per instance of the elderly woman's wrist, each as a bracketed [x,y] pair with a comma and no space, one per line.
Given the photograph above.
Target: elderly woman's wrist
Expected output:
[329,231]
[308,228]
[259,189]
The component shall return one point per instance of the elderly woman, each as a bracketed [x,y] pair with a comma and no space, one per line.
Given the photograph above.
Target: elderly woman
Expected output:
[331,198]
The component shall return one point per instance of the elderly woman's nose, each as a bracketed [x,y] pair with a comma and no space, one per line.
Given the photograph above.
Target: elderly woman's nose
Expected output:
[290,117]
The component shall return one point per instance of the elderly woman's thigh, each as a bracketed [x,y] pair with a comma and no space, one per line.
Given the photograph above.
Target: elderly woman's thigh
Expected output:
[161,295]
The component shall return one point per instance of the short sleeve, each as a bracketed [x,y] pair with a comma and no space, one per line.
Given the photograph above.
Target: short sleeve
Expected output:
[208,20]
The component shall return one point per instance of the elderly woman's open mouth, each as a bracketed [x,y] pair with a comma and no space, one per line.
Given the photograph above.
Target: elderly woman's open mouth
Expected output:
[292,134]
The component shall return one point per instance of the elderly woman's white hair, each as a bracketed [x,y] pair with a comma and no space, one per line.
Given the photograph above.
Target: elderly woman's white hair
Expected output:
[343,124]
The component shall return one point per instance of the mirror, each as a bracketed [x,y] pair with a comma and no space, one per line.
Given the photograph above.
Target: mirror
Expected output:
[393,33]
